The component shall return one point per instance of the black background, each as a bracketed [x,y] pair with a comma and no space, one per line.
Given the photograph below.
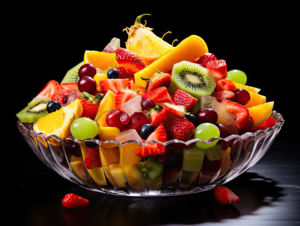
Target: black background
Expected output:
[42,42]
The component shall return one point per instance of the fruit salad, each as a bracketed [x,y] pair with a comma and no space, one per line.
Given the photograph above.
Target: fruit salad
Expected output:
[149,91]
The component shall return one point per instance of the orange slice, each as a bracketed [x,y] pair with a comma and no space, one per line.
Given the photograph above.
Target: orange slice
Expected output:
[100,60]
[248,88]
[108,102]
[255,99]
[261,112]
[59,122]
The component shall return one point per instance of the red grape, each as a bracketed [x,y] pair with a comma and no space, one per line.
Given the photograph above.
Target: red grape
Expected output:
[113,119]
[147,104]
[248,127]
[207,115]
[124,118]
[87,84]
[137,120]
[87,70]
[224,132]
[241,96]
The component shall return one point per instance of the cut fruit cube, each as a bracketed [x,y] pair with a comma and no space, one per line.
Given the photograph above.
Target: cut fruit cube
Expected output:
[115,175]
[193,159]
[206,101]
[133,105]
[225,117]
[261,112]
[255,99]
[109,156]
[134,176]
[78,170]
[109,133]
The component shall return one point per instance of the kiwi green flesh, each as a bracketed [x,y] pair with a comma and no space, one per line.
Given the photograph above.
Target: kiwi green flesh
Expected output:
[193,159]
[34,111]
[193,79]
[188,177]
[72,74]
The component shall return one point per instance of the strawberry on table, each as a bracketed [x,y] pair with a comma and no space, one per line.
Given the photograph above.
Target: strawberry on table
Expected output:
[159,79]
[207,57]
[130,61]
[218,68]
[50,88]
[114,85]
[225,84]
[158,95]
[223,95]
[60,95]
[74,201]
[225,195]
[122,72]
[241,113]
[184,99]
[269,122]
[92,158]
[154,149]
[123,96]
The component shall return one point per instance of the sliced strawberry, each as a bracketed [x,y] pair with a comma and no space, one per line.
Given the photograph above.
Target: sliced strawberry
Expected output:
[130,61]
[218,68]
[122,72]
[171,95]
[123,96]
[157,118]
[223,95]
[241,113]
[139,90]
[225,195]
[114,85]
[60,95]
[74,201]
[92,158]
[179,128]
[184,99]
[154,149]
[159,79]
[207,57]
[158,95]
[176,109]
[225,84]
[51,88]
[69,86]
[268,123]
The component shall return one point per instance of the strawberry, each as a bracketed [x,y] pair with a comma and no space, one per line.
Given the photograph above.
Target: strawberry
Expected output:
[207,57]
[74,201]
[154,149]
[269,122]
[130,61]
[123,96]
[225,84]
[184,99]
[175,109]
[92,158]
[139,90]
[122,72]
[157,118]
[218,68]
[171,95]
[89,105]
[59,95]
[158,95]
[223,95]
[69,86]
[241,113]
[179,128]
[159,79]
[114,84]
[47,92]
[225,195]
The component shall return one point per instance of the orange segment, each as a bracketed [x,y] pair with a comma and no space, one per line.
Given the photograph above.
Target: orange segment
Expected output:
[255,99]
[108,102]
[261,112]
[100,60]
[248,88]
[59,122]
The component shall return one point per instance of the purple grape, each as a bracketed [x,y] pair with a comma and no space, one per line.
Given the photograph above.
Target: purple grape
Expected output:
[224,132]
[241,96]
[87,84]
[87,70]
[248,127]
[147,104]
[207,115]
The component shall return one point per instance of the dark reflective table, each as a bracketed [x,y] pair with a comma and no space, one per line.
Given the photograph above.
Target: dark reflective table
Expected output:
[269,193]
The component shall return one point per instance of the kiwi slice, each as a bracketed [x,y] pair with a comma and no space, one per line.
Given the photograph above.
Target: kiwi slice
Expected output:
[34,111]
[193,79]
[72,74]
[154,168]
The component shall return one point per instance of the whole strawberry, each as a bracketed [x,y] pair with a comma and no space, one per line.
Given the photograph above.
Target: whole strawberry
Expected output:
[74,201]
[89,105]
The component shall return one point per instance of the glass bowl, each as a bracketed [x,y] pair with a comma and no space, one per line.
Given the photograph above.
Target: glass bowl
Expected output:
[184,169]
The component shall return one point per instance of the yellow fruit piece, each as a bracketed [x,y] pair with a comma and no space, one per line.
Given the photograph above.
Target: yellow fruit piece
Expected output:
[100,60]
[115,175]
[134,176]
[261,112]
[108,102]
[189,49]
[248,88]
[109,133]
[225,162]
[59,122]
[98,77]
[128,156]
[75,159]
[78,170]
[97,173]
[109,156]
[255,99]
[155,184]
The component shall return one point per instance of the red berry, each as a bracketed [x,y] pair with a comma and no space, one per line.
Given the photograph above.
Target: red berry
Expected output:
[223,95]
[123,96]
[184,99]
[159,79]
[122,72]
[114,85]
[113,119]
[225,84]
[207,57]
[74,201]
[92,158]
[269,122]
[158,95]
[225,195]
[218,68]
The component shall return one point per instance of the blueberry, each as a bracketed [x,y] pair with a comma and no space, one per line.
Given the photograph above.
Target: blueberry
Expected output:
[90,144]
[146,130]
[193,119]
[53,106]
[113,74]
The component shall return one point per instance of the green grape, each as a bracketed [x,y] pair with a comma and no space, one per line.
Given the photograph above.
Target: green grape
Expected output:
[237,76]
[84,128]
[206,131]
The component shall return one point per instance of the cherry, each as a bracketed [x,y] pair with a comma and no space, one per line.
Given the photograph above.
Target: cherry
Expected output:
[207,115]
[241,96]
[87,70]
[124,118]
[248,126]
[224,132]
[147,104]
[137,120]
[87,84]
[113,119]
